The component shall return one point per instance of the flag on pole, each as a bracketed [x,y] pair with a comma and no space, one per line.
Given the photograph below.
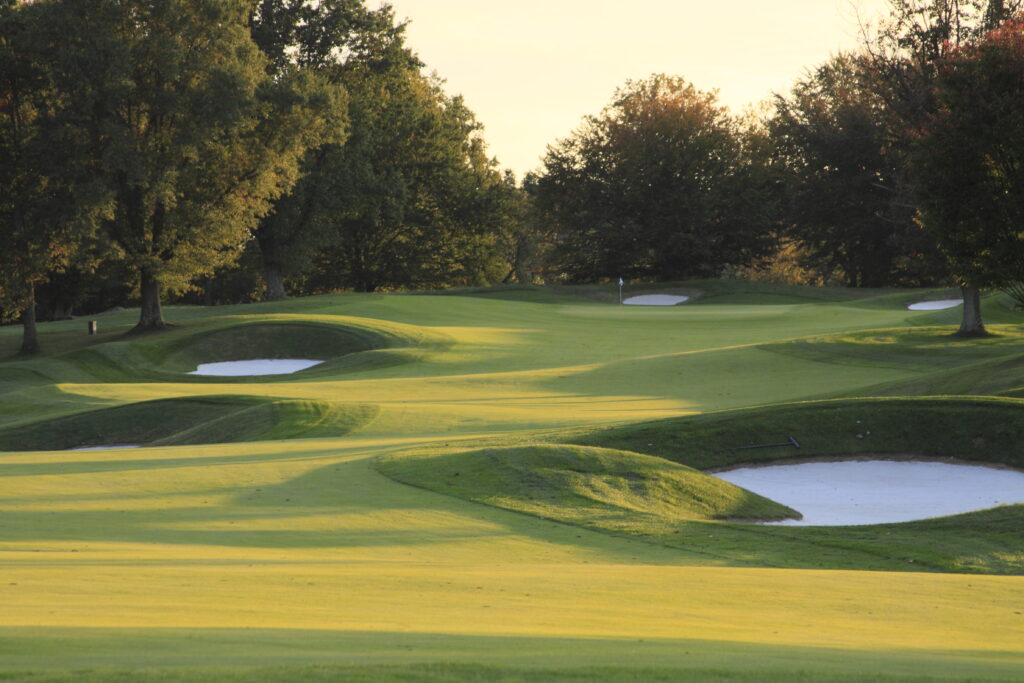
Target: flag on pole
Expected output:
[621,282]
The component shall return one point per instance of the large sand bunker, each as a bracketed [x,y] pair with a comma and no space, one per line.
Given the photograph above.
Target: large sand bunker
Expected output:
[880,491]
[655,300]
[256,366]
[937,305]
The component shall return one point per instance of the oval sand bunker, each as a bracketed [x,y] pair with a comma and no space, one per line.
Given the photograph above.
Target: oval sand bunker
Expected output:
[250,368]
[935,305]
[879,491]
[655,300]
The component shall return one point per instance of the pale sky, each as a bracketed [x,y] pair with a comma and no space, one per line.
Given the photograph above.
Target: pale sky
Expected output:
[532,69]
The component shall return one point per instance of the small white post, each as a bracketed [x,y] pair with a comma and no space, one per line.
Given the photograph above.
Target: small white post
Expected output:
[620,289]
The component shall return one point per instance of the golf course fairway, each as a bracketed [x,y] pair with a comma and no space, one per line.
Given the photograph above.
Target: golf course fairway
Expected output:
[496,485]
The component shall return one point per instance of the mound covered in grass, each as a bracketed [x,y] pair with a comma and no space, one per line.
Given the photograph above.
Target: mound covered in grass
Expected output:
[347,344]
[981,429]
[167,422]
[597,487]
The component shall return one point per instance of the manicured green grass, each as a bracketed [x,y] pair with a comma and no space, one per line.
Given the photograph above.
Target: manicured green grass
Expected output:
[257,538]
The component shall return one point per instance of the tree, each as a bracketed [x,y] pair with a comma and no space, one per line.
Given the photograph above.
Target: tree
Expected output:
[659,185]
[845,180]
[186,135]
[36,235]
[330,38]
[412,195]
[903,65]
[968,163]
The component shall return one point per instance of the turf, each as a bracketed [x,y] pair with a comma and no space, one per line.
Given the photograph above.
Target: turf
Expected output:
[580,540]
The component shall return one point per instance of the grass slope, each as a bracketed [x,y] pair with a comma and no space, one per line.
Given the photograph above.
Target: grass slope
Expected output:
[270,546]
[596,487]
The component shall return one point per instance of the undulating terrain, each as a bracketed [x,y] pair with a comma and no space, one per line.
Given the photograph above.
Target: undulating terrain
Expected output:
[502,484]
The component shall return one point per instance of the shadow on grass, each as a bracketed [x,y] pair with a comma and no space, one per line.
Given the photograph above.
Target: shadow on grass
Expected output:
[160,654]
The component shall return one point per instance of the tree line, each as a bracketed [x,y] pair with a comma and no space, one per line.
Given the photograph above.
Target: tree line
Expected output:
[226,150]
[155,147]
[901,164]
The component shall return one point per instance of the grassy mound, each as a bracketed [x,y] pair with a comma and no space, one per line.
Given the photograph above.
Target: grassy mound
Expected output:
[636,480]
[212,419]
[273,340]
[346,344]
[970,428]
[584,485]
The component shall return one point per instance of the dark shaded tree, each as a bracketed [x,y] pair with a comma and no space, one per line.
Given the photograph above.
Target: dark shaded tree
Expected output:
[903,63]
[847,203]
[331,38]
[968,161]
[659,185]
[37,219]
[186,134]
[413,200]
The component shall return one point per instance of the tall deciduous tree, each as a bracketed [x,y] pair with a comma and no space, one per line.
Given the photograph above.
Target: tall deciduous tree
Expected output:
[846,201]
[412,199]
[903,64]
[658,185]
[969,163]
[36,207]
[189,137]
[331,38]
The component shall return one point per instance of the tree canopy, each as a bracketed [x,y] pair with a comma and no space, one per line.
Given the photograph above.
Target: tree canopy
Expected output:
[846,182]
[969,159]
[658,185]
[188,136]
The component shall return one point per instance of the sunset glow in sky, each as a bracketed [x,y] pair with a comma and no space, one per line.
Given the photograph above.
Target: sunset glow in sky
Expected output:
[531,69]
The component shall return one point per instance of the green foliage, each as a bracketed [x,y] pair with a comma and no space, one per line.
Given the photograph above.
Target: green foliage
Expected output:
[330,38]
[968,159]
[415,202]
[185,135]
[39,231]
[846,184]
[660,185]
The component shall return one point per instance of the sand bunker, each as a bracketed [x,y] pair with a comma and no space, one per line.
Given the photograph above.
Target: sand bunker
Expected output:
[655,300]
[880,491]
[104,448]
[935,305]
[258,366]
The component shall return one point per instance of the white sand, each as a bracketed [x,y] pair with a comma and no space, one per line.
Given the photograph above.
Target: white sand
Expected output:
[655,300]
[103,448]
[935,305]
[880,491]
[258,366]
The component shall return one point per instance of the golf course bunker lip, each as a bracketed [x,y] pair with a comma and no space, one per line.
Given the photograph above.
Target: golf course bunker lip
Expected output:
[106,448]
[655,300]
[254,367]
[875,491]
[937,305]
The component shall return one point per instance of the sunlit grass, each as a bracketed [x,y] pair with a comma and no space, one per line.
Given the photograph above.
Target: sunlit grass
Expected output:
[272,540]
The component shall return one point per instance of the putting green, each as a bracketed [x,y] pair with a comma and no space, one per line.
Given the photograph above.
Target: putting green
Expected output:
[269,558]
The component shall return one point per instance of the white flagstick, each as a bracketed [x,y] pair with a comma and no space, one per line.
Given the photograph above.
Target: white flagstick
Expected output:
[620,289]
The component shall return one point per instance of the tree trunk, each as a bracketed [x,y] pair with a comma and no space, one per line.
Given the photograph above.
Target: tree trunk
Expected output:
[150,317]
[30,332]
[522,265]
[275,283]
[208,291]
[972,325]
